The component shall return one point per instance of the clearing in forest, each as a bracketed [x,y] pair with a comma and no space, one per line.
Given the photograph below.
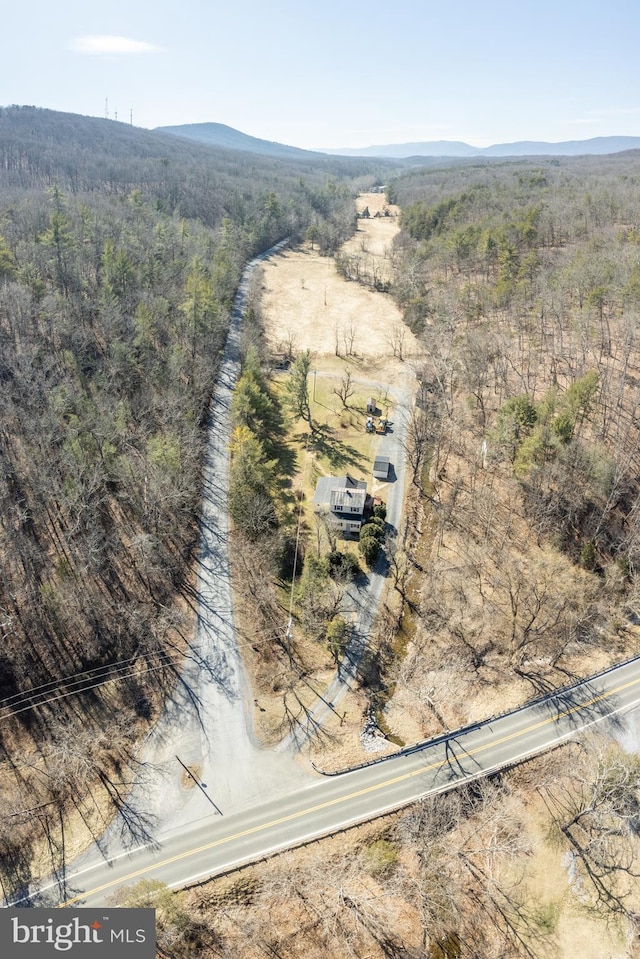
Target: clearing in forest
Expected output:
[308,305]
[352,329]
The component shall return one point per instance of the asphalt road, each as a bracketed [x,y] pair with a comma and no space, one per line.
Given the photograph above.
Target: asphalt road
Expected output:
[216,844]
[255,803]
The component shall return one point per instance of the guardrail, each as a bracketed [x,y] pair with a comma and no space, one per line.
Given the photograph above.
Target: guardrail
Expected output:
[463,730]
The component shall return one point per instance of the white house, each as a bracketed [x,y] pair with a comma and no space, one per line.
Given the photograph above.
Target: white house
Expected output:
[343,499]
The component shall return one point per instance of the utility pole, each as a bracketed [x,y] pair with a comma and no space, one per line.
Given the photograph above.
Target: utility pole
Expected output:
[199,785]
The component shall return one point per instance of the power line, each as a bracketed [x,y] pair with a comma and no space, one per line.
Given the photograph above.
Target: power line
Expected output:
[55,683]
[117,674]
[24,701]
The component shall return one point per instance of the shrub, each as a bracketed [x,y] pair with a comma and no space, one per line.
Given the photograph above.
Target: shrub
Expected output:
[370,543]
[380,511]
[343,566]
[380,857]
[378,523]
[588,555]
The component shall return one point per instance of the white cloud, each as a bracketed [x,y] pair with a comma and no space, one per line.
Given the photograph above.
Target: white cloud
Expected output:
[102,44]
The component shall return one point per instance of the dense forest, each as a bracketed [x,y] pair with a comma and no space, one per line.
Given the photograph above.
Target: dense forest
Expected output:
[265,198]
[120,253]
[524,281]
[516,573]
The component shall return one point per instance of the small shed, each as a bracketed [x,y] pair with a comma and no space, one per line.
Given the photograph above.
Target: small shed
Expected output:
[371,405]
[381,466]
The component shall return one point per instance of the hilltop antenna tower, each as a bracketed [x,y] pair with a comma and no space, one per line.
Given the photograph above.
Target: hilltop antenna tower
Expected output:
[106,108]
[131,116]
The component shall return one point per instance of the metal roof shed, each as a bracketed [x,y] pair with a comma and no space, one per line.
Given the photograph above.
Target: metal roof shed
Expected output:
[381,466]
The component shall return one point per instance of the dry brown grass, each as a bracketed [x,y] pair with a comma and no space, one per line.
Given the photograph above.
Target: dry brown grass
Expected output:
[307,303]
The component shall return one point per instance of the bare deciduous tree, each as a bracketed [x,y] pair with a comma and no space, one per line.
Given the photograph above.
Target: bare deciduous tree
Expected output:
[346,389]
[596,811]
[349,333]
[397,339]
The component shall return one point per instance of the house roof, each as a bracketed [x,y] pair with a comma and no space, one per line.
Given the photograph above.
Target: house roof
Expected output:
[381,467]
[345,499]
[341,492]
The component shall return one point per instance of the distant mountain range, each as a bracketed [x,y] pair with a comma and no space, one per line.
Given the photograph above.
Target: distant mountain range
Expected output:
[220,135]
[456,148]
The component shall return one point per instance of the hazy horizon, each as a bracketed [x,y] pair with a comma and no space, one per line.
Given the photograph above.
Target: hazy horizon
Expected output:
[336,76]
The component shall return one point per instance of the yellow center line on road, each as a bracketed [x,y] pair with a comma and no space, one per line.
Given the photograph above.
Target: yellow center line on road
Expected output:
[355,795]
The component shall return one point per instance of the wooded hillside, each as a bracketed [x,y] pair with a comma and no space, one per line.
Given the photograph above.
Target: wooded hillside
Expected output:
[522,279]
[120,253]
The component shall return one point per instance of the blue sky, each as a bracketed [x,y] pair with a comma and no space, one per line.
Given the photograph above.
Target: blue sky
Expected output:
[332,74]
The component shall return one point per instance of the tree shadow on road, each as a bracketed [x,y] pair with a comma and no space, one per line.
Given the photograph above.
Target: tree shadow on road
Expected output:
[458,758]
[301,723]
[582,706]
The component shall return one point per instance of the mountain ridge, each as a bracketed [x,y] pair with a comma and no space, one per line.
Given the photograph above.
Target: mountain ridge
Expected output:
[221,135]
[594,146]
